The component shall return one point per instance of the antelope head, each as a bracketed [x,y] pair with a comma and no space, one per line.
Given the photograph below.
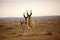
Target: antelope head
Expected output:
[29,15]
[21,22]
[26,18]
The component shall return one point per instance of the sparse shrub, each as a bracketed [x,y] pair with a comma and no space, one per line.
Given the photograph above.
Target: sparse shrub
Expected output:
[48,33]
[1,25]
[8,28]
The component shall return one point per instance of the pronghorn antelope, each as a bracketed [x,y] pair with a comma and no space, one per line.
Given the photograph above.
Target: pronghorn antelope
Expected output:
[30,21]
[24,24]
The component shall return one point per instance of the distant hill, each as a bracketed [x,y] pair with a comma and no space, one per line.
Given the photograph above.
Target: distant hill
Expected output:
[12,19]
[9,19]
[46,17]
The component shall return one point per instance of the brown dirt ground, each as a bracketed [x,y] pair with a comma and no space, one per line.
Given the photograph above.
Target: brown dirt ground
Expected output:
[43,30]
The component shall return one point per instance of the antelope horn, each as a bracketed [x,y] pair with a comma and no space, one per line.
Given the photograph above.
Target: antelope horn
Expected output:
[30,12]
[27,13]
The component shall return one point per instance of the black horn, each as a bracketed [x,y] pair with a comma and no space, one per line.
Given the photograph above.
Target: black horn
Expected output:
[27,13]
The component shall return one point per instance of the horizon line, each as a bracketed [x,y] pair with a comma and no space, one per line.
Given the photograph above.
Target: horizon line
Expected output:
[32,16]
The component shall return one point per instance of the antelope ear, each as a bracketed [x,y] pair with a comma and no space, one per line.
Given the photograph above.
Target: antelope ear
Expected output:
[30,12]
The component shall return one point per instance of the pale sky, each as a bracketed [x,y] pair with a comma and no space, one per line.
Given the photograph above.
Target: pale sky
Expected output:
[16,8]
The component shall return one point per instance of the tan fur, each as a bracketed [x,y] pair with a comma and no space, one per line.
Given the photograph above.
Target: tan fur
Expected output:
[25,24]
[30,21]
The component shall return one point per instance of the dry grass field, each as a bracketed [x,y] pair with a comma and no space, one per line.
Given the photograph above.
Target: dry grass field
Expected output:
[44,30]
